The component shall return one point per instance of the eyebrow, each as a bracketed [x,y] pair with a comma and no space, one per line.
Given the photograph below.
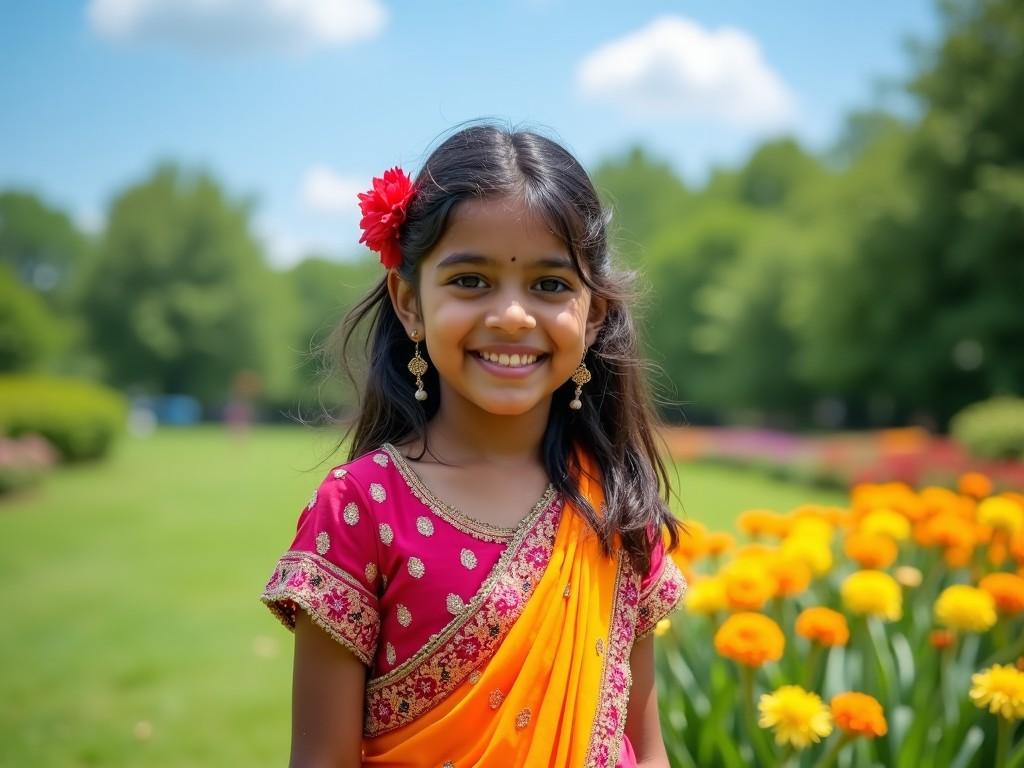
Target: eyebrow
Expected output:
[555,262]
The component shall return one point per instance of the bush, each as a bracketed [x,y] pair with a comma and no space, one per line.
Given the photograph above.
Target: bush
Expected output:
[80,419]
[992,429]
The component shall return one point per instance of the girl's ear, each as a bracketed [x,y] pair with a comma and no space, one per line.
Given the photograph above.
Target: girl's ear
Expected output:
[596,317]
[403,299]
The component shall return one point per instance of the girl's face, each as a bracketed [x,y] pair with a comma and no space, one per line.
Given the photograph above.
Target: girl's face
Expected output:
[505,314]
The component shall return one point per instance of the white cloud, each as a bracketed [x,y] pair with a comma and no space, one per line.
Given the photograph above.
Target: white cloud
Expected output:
[239,25]
[326,191]
[675,67]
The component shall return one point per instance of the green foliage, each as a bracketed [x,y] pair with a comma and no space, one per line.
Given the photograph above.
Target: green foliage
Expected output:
[180,299]
[80,419]
[992,429]
[28,331]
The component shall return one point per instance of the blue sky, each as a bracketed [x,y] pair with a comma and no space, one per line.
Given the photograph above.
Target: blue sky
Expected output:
[299,108]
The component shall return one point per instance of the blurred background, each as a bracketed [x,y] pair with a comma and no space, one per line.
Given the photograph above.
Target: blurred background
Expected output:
[826,203]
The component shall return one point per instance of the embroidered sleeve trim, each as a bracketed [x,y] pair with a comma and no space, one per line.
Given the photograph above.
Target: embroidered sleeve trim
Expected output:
[437,669]
[661,598]
[460,520]
[616,677]
[334,599]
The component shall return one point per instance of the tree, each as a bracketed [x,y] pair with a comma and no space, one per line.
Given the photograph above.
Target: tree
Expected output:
[179,299]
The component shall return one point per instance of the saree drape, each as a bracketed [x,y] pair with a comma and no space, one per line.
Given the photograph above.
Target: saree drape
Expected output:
[537,671]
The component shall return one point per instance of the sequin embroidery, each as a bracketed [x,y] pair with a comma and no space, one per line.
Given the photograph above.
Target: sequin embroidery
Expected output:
[523,718]
[381,459]
[424,526]
[468,559]
[416,568]
[386,534]
[404,615]
[351,513]
[377,492]
[340,473]
[389,652]
[495,698]
[455,604]
[323,543]
[370,571]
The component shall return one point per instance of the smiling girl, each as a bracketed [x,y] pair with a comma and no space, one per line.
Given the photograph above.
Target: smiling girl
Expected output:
[480,581]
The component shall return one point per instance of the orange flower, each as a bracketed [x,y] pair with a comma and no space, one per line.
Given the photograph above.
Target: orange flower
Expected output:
[692,544]
[823,625]
[791,576]
[762,522]
[1008,591]
[974,484]
[750,638]
[859,714]
[747,584]
[870,551]
[719,542]
[941,638]
[947,530]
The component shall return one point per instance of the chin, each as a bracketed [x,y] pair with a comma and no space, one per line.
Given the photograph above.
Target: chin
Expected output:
[507,406]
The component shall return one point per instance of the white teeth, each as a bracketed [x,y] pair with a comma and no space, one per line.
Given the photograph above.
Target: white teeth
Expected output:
[510,361]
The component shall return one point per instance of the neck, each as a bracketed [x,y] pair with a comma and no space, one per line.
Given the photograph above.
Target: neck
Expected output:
[463,433]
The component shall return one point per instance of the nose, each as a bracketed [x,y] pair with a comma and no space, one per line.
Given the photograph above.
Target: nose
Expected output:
[511,317]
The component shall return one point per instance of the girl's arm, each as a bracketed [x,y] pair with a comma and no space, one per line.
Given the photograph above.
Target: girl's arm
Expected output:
[327,700]
[642,725]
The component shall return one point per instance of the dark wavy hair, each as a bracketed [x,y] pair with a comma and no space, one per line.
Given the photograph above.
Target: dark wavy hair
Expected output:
[485,160]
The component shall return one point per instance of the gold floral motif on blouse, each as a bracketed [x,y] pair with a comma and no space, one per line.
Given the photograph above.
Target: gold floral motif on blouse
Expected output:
[468,559]
[380,459]
[660,598]
[323,543]
[351,513]
[416,568]
[370,571]
[339,473]
[424,526]
[404,615]
[455,604]
[389,652]
[386,534]
[474,677]
[312,501]
[476,528]
[377,492]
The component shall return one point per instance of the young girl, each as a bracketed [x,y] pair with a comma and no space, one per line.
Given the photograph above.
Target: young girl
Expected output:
[480,581]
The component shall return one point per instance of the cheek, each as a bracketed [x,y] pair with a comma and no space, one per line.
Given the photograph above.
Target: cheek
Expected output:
[570,322]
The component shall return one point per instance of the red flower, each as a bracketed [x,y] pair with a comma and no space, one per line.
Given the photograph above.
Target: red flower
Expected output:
[383,209]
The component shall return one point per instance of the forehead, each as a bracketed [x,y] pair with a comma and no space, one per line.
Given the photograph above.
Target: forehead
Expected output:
[501,228]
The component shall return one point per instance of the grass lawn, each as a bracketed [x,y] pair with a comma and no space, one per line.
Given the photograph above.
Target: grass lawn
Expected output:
[135,634]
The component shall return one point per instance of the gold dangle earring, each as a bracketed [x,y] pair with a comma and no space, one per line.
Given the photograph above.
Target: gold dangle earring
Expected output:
[580,377]
[417,367]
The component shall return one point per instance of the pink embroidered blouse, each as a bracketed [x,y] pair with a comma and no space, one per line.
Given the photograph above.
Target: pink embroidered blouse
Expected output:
[383,565]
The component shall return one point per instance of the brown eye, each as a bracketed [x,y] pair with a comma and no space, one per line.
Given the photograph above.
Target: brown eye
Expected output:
[558,285]
[458,281]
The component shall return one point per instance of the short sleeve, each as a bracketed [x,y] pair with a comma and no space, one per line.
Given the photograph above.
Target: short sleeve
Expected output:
[661,590]
[330,570]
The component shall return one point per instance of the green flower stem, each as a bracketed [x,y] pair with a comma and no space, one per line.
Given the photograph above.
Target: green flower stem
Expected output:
[813,662]
[1003,726]
[757,738]
[829,758]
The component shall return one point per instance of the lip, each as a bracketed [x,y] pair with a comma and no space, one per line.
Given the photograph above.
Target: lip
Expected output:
[504,371]
[510,349]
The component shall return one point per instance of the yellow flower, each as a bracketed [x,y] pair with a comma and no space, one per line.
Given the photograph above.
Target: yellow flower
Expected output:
[813,527]
[885,522]
[1000,512]
[813,551]
[966,608]
[798,716]
[706,596]
[872,593]
[662,627]
[1000,689]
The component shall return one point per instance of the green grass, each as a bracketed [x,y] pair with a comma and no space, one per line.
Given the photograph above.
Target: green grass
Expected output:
[132,591]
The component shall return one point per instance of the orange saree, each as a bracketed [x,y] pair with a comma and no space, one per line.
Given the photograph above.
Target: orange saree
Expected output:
[535,672]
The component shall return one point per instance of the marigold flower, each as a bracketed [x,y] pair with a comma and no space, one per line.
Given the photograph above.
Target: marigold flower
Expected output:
[872,593]
[791,577]
[871,551]
[957,557]
[1000,689]
[885,522]
[974,484]
[859,714]
[706,596]
[966,608]
[747,584]
[692,544]
[812,527]
[1002,513]
[798,717]
[823,625]
[750,638]
[815,552]
[719,542]
[662,627]
[1007,589]
[762,522]
[947,530]
[941,638]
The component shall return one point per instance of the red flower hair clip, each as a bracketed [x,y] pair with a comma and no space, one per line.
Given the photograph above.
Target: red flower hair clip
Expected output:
[383,209]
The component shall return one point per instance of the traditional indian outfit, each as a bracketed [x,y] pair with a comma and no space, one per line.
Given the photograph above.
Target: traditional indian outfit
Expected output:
[486,646]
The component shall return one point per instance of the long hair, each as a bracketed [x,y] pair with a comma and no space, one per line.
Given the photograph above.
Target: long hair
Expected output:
[483,161]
